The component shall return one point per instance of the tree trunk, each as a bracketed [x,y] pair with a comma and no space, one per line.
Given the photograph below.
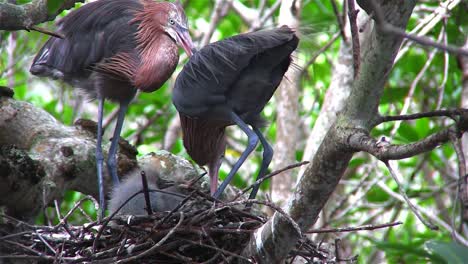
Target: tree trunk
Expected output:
[287,105]
[270,243]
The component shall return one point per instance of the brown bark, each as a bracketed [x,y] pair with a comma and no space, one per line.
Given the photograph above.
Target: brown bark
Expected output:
[40,158]
[18,17]
[463,63]
[287,119]
[321,177]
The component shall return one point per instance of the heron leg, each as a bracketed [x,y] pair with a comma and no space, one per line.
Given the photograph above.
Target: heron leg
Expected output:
[100,159]
[267,156]
[213,172]
[252,142]
[112,159]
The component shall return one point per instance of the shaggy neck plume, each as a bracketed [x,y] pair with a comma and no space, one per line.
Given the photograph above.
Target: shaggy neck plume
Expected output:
[157,50]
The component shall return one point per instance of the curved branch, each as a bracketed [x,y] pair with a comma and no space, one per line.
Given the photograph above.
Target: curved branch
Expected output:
[18,17]
[438,113]
[361,141]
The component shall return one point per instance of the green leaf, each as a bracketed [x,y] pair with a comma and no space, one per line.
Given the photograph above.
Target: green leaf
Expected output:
[423,127]
[392,95]
[451,252]
[53,6]
[408,133]
[377,195]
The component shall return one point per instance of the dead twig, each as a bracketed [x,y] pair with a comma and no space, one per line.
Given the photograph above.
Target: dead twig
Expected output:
[352,229]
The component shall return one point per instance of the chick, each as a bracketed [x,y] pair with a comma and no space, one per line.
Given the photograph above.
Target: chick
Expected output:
[132,184]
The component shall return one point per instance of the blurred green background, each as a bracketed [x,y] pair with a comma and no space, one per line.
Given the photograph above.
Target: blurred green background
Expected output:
[430,179]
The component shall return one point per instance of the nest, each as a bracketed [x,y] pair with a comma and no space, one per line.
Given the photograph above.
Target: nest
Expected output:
[199,230]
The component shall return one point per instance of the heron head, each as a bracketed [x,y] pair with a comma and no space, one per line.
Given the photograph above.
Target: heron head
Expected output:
[176,27]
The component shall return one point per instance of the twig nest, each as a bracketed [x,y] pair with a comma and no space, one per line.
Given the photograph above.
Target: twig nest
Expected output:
[197,230]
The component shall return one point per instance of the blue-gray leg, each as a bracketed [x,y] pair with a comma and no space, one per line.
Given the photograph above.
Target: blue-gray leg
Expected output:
[112,159]
[252,142]
[267,156]
[99,160]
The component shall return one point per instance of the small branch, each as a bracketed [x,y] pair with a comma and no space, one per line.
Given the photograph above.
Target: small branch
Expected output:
[76,206]
[157,245]
[259,181]
[339,19]
[438,113]
[247,14]
[144,182]
[405,196]
[46,31]
[462,190]
[428,214]
[413,86]
[218,249]
[441,87]
[219,11]
[271,205]
[172,133]
[320,51]
[109,118]
[46,243]
[352,229]
[352,14]
[337,243]
[136,136]
[424,41]
[429,22]
[361,141]
[260,22]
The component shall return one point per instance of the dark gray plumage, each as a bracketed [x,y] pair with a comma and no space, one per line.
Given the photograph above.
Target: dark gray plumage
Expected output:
[230,82]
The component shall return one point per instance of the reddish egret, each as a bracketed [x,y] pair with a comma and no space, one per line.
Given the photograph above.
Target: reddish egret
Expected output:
[229,82]
[110,49]
[161,199]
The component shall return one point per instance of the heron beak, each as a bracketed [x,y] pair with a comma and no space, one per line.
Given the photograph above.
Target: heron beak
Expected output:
[185,40]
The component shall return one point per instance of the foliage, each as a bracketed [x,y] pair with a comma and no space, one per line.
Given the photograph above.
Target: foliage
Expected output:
[429,179]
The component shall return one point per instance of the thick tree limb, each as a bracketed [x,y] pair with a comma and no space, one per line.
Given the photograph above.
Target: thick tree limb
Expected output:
[287,114]
[334,101]
[321,177]
[40,158]
[18,17]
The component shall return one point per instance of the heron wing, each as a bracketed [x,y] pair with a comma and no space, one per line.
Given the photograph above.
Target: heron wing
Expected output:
[93,34]
[207,81]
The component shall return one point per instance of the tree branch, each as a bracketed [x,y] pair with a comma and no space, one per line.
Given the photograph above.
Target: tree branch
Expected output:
[352,14]
[361,141]
[450,113]
[373,8]
[413,208]
[321,177]
[18,17]
[40,158]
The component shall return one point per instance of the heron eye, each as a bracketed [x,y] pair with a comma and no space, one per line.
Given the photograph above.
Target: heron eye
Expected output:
[171,21]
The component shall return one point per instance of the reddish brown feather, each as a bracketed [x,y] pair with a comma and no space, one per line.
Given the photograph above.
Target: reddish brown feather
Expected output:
[204,140]
[120,66]
[158,52]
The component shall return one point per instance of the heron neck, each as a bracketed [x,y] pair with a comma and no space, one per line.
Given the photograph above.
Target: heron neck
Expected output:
[159,58]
